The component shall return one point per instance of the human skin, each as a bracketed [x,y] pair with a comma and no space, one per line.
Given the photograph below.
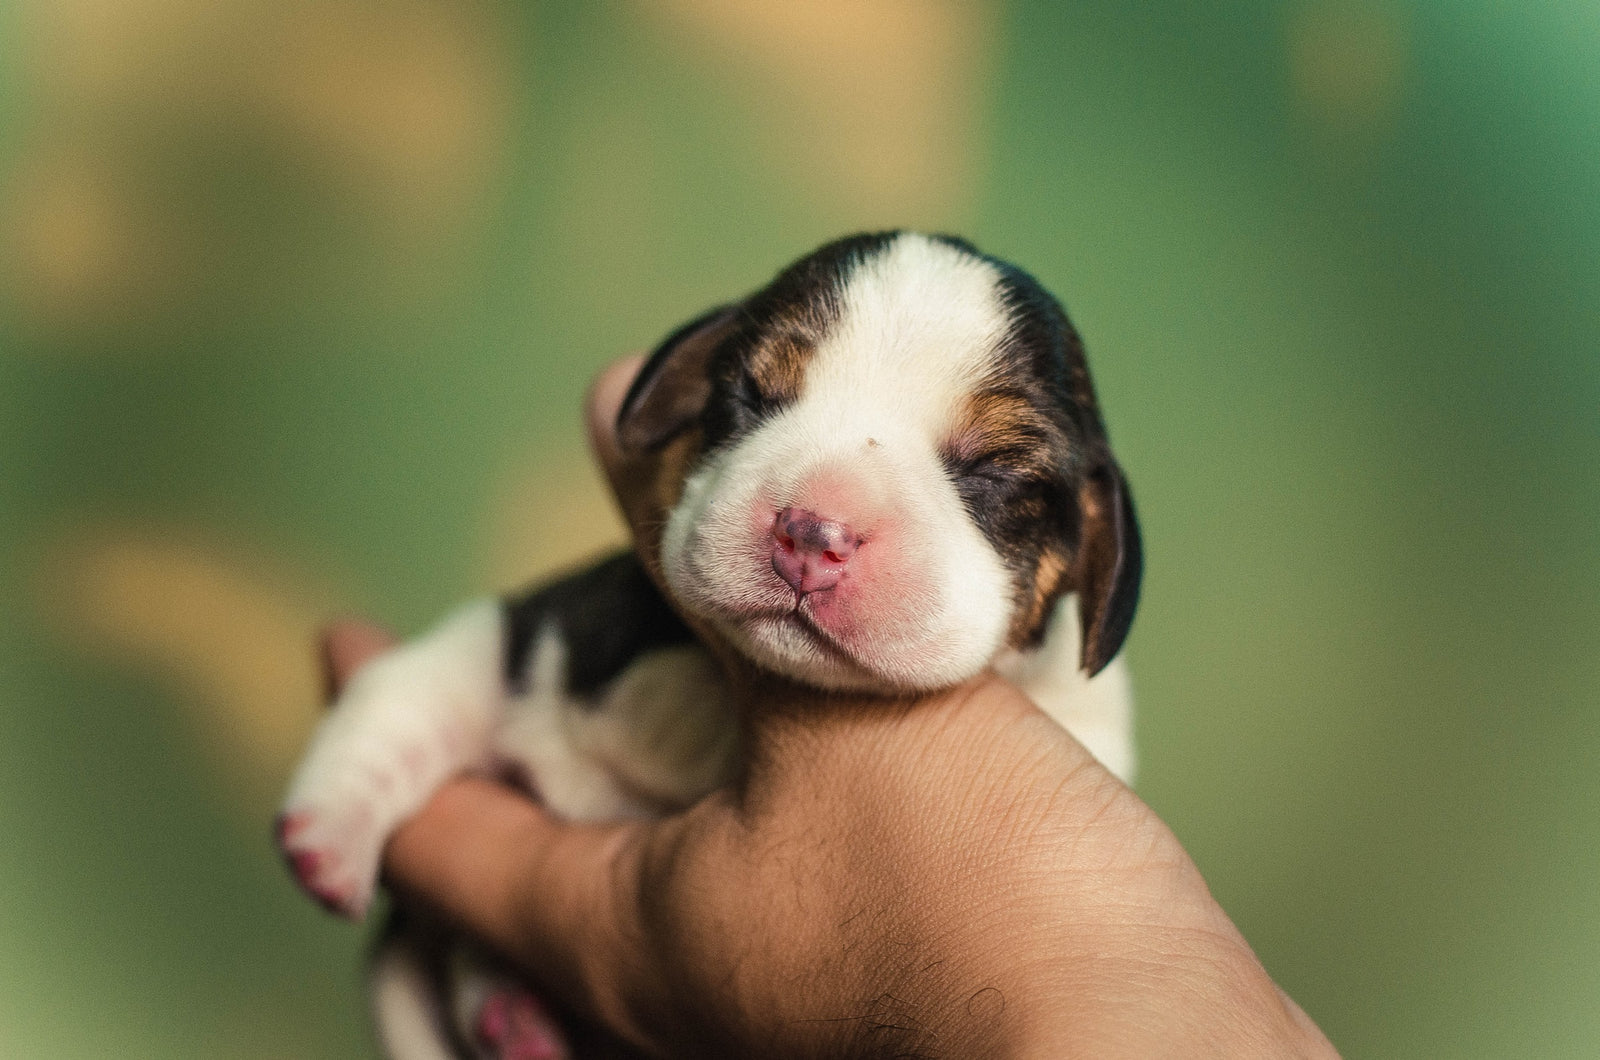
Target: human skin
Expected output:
[950,875]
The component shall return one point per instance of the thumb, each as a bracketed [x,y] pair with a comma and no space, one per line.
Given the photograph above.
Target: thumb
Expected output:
[562,900]
[559,899]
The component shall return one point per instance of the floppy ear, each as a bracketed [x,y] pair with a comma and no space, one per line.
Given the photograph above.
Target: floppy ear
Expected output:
[1105,574]
[672,388]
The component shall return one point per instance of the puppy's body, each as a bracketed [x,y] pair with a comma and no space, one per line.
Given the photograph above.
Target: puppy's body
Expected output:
[887,472]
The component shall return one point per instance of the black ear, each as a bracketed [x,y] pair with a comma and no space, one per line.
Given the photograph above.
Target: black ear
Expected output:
[1106,571]
[672,388]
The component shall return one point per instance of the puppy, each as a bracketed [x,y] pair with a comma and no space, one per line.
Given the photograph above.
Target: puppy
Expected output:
[882,472]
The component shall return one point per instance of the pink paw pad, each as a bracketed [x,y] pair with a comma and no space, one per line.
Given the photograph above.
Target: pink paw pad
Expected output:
[290,825]
[311,867]
[512,1025]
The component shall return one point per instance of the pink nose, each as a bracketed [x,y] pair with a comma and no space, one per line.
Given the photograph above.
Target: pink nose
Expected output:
[810,552]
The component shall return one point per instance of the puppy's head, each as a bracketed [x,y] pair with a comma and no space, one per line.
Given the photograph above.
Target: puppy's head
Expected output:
[885,467]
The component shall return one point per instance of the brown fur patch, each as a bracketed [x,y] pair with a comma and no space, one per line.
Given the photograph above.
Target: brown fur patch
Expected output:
[676,460]
[1001,427]
[778,367]
[1049,581]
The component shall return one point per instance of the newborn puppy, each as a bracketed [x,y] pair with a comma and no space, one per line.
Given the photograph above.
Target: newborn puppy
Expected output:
[883,472]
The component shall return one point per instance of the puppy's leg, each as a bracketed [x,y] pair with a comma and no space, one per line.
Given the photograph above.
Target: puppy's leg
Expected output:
[406,723]
[406,1005]
[502,1018]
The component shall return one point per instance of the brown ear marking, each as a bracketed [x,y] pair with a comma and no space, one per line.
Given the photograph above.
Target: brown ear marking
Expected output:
[1048,583]
[778,366]
[672,388]
[1106,571]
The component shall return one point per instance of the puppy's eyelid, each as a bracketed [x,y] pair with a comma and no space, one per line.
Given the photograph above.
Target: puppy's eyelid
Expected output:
[989,447]
[1008,466]
[997,466]
[750,388]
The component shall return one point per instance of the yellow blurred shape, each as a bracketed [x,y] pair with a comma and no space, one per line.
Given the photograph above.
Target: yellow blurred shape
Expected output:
[235,633]
[86,242]
[1347,62]
[157,135]
[407,102]
[110,53]
[75,249]
[66,236]
[80,250]
[876,105]
[548,519]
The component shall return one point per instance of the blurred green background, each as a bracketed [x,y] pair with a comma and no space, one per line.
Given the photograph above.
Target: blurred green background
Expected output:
[299,301]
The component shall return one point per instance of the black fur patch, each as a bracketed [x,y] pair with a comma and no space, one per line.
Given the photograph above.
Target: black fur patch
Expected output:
[1034,442]
[607,615]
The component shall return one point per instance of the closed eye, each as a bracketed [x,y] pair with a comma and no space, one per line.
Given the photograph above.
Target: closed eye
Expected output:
[748,392]
[999,465]
[739,404]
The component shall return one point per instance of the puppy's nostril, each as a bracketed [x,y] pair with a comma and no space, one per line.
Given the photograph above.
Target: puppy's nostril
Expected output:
[810,552]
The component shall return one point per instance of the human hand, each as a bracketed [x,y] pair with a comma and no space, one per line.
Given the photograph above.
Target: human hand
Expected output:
[947,876]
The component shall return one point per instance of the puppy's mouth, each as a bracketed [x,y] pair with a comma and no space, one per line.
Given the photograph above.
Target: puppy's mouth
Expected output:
[779,634]
[796,619]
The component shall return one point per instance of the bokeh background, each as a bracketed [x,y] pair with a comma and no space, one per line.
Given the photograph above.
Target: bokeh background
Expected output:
[298,301]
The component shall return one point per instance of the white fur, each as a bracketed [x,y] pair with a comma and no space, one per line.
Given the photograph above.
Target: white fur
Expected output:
[661,736]
[405,1006]
[919,327]
[536,737]
[665,730]
[411,1017]
[407,722]
[1097,710]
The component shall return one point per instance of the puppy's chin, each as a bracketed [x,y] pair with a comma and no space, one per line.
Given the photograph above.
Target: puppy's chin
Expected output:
[785,645]
[794,648]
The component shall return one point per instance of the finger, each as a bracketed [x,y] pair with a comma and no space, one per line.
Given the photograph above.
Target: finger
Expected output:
[602,405]
[634,476]
[346,646]
[559,899]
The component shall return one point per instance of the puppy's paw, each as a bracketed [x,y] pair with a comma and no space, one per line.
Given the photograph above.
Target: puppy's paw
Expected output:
[405,723]
[333,852]
[513,1025]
